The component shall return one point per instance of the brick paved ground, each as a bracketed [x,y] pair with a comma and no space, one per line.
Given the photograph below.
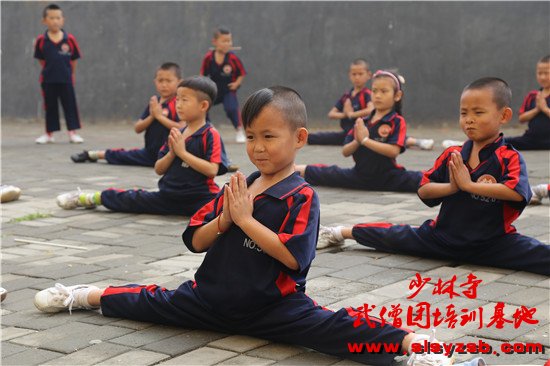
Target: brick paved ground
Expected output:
[102,247]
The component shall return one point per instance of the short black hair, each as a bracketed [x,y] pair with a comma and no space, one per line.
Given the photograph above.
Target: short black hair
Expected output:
[545,59]
[285,99]
[50,7]
[362,62]
[167,66]
[221,30]
[203,86]
[502,94]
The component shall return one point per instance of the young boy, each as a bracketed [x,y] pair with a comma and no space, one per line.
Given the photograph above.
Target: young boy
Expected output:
[536,110]
[482,187]
[188,163]
[227,71]
[57,52]
[157,120]
[353,104]
[259,235]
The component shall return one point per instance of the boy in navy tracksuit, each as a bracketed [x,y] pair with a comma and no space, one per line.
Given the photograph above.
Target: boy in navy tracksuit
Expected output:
[158,118]
[188,163]
[353,104]
[57,52]
[227,71]
[259,235]
[374,142]
[536,110]
[482,187]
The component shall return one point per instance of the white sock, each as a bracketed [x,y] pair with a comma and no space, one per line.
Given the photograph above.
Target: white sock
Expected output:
[337,231]
[81,297]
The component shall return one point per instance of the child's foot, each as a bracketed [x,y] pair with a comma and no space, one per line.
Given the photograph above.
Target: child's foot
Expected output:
[75,138]
[448,143]
[59,298]
[425,144]
[9,193]
[74,199]
[82,157]
[240,138]
[330,237]
[426,358]
[45,139]
[540,191]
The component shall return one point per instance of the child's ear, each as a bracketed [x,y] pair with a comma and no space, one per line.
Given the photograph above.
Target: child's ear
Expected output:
[506,115]
[398,95]
[301,137]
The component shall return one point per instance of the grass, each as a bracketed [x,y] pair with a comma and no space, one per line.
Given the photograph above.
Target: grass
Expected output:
[30,217]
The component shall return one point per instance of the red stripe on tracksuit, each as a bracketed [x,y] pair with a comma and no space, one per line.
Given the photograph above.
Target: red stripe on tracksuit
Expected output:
[528,101]
[302,219]
[438,163]
[130,290]
[198,217]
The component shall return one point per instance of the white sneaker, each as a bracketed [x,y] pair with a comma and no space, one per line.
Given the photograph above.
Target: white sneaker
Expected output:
[540,191]
[426,144]
[59,298]
[430,359]
[448,143]
[75,138]
[45,139]
[9,193]
[240,138]
[3,294]
[330,237]
[72,200]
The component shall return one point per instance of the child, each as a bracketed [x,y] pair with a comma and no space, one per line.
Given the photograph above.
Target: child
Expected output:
[353,104]
[259,236]
[482,187]
[227,71]
[535,110]
[374,146]
[57,52]
[157,120]
[189,161]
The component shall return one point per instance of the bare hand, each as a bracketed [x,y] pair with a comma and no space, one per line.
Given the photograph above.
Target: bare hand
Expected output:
[225,218]
[452,180]
[241,202]
[348,108]
[233,86]
[541,102]
[460,172]
[360,130]
[154,107]
[177,142]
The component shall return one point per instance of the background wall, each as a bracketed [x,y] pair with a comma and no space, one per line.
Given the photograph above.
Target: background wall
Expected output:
[438,46]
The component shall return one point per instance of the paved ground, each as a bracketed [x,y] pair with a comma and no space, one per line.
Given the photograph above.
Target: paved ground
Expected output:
[102,247]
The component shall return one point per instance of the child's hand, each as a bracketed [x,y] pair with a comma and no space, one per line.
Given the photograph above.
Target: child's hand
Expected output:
[459,171]
[348,108]
[233,86]
[154,107]
[360,130]
[225,218]
[452,180]
[241,202]
[178,142]
[541,102]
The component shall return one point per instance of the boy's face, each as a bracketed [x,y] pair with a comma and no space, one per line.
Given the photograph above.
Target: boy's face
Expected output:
[188,105]
[54,20]
[543,74]
[358,75]
[480,117]
[166,83]
[271,143]
[383,93]
[223,43]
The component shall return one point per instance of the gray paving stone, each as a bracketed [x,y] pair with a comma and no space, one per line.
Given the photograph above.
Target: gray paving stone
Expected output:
[201,356]
[496,290]
[30,357]
[387,277]
[309,358]
[148,336]
[277,351]
[14,332]
[90,355]
[238,343]
[247,360]
[135,357]
[528,297]
[523,278]
[184,342]
[9,349]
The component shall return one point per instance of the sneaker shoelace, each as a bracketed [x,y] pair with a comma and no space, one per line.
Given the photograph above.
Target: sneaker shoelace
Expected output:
[63,291]
[428,360]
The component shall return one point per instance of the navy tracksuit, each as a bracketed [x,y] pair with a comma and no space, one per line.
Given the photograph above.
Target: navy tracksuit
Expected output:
[537,136]
[469,228]
[359,101]
[229,70]
[240,289]
[56,79]
[182,190]
[372,171]
[156,135]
